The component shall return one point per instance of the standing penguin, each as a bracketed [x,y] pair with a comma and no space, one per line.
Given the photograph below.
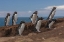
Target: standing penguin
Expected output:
[21,27]
[14,18]
[52,13]
[34,17]
[38,24]
[7,19]
[50,23]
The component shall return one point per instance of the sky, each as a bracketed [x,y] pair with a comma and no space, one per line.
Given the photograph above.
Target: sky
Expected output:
[25,8]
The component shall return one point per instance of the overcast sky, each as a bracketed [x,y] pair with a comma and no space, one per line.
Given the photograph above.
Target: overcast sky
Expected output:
[26,7]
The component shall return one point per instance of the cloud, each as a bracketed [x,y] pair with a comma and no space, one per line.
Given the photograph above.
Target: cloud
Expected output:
[20,13]
[43,11]
[23,13]
[29,11]
[60,7]
[46,11]
[4,13]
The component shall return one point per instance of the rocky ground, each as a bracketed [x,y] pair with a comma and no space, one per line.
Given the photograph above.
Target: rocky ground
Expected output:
[56,34]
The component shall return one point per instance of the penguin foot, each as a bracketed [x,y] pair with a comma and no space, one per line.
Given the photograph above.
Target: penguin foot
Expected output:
[39,31]
[50,28]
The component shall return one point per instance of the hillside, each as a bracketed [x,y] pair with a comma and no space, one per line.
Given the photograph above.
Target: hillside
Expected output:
[56,34]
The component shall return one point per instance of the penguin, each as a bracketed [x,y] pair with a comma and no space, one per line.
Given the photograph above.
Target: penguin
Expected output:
[52,13]
[7,19]
[38,24]
[34,17]
[50,23]
[14,18]
[21,27]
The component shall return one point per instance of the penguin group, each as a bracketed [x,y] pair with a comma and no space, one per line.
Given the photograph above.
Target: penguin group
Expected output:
[35,20]
[14,19]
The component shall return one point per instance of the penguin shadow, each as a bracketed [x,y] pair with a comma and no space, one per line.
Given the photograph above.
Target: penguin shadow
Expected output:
[28,29]
[8,32]
[44,27]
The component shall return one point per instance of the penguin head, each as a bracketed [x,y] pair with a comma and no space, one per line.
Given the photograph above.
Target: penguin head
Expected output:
[35,12]
[22,22]
[54,20]
[8,14]
[40,18]
[15,12]
[54,8]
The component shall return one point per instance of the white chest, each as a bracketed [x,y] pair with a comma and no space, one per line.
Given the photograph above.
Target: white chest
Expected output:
[15,17]
[34,16]
[53,13]
[23,25]
[51,24]
[8,19]
[38,23]
[21,28]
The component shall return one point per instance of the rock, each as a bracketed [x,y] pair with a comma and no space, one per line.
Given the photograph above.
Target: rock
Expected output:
[54,28]
[60,33]
[12,37]
[38,39]
[28,39]
[30,34]
[43,38]
[62,26]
